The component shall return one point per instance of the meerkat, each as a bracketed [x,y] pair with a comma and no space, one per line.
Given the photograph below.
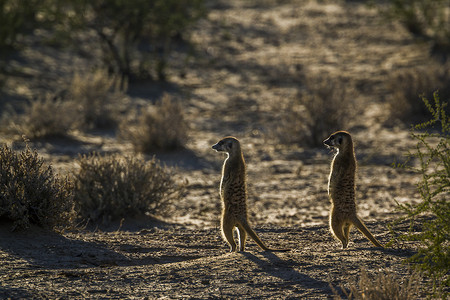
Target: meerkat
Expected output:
[341,189]
[233,193]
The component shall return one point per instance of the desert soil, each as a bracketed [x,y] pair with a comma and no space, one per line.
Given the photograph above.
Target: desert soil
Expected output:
[251,57]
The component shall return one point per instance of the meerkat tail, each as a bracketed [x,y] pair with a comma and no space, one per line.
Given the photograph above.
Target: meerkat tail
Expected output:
[361,227]
[258,241]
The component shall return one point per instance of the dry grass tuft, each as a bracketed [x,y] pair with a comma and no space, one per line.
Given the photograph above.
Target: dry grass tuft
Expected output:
[48,117]
[325,106]
[381,287]
[30,193]
[45,117]
[407,86]
[163,128]
[97,98]
[92,101]
[113,187]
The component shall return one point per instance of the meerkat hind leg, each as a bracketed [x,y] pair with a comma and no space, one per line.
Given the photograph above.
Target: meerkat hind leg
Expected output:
[337,228]
[242,237]
[227,231]
[346,228]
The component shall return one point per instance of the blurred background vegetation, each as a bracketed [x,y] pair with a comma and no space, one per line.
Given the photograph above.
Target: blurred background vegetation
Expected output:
[135,37]
[427,19]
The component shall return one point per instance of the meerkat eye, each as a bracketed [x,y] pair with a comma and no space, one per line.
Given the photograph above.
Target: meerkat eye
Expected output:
[230,145]
[340,140]
[332,137]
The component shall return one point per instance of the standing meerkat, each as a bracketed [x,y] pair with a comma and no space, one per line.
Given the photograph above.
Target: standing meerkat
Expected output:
[233,193]
[341,189]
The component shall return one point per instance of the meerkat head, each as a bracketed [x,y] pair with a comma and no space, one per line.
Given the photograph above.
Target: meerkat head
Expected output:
[228,144]
[338,140]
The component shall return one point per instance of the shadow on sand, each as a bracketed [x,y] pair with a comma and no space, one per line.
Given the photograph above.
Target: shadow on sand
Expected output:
[285,270]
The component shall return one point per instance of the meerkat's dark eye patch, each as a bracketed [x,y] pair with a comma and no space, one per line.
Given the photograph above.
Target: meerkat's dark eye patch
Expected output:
[230,145]
[340,140]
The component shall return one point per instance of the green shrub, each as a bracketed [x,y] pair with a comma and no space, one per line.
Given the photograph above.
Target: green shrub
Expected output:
[30,193]
[325,105]
[381,287]
[162,128]
[429,219]
[113,187]
[424,18]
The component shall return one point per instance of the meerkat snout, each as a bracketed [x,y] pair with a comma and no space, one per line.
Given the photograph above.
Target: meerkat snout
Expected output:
[224,145]
[216,147]
[334,140]
[327,142]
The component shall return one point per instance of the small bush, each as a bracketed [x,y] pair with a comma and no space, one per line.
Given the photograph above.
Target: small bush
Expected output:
[381,287]
[113,187]
[326,105]
[97,98]
[424,18]
[30,193]
[47,117]
[431,215]
[163,128]
[407,86]
[92,101]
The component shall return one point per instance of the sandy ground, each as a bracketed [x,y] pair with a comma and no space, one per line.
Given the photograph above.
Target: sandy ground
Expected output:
[252,57]
[185,262]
